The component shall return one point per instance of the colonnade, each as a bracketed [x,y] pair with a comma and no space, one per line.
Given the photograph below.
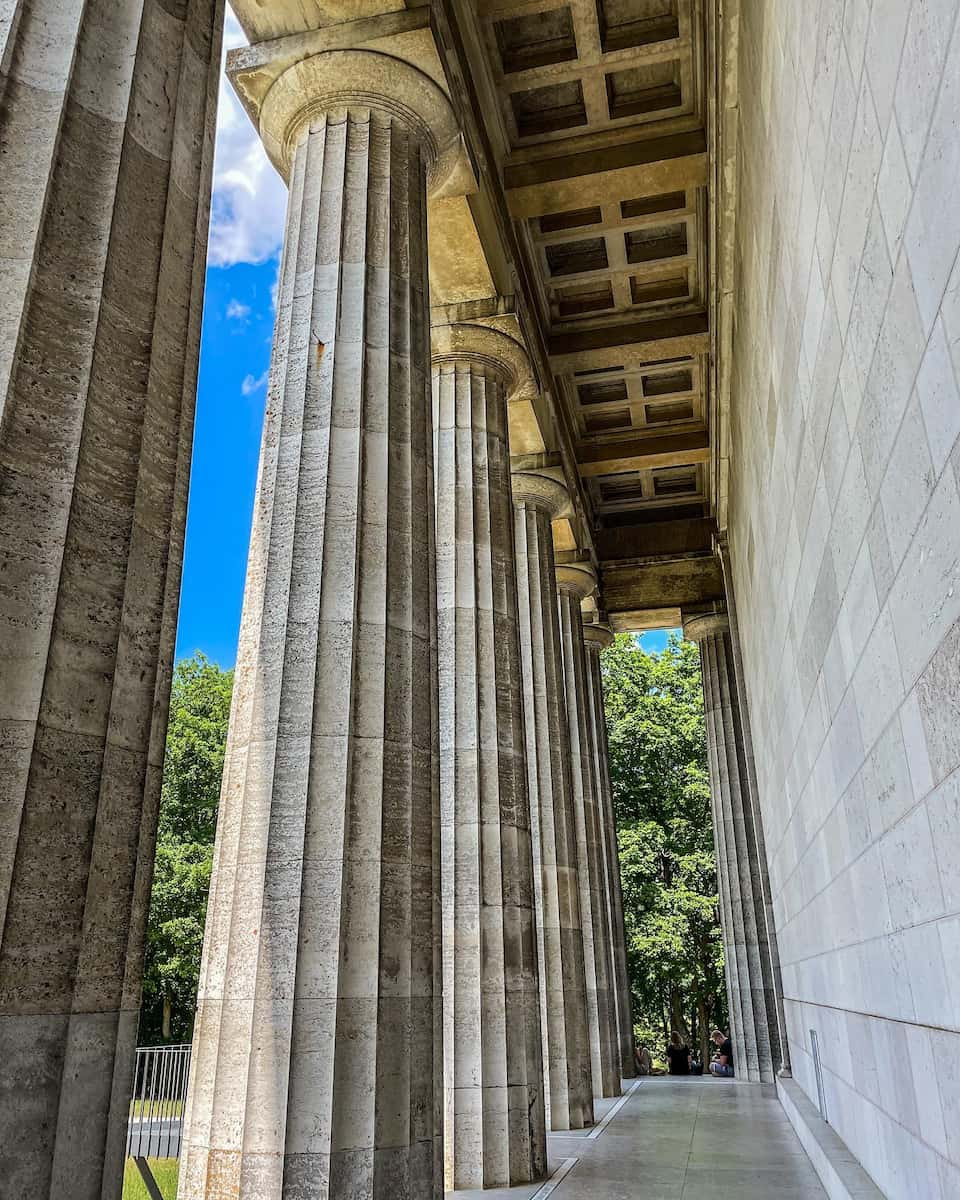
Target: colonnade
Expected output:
[414,922]
[414,962]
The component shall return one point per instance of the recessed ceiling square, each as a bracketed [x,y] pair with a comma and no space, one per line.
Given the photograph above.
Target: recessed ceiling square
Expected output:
[607,422]
[535,39]
[656,242]
[651,88]
[664,414]
[595,296]
[603,391]
[547,109]
[659,291]
[667,383]
[626,23]
[573,258]
[648,206]
[571,219]
[675,481]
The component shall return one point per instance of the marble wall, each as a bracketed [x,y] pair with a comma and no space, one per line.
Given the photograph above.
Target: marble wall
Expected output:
[845,544]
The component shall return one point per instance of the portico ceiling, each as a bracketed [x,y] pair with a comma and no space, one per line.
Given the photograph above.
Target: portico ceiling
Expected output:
[587,229]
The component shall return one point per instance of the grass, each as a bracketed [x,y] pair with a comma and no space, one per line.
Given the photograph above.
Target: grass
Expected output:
[164,1172]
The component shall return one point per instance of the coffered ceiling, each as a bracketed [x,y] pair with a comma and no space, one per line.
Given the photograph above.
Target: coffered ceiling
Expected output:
[591,129]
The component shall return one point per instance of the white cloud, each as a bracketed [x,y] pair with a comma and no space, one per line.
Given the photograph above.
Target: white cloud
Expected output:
[237,311]
[249,198]
[251,385]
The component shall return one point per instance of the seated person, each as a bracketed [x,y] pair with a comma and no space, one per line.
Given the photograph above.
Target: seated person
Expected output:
[723,1059]
[643,1060]
[678,1056]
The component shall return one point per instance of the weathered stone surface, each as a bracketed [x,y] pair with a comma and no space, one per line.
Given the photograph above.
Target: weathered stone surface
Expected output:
[563,1003]
[493,1069]
[596,636]
[575,582]
[107,127]
[315,1069]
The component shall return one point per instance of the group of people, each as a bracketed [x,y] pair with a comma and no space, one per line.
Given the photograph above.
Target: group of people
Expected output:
[680,1059]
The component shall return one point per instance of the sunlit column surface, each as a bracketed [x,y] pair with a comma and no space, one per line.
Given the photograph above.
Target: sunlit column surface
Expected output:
[575,583]
[314,1071]
[493,1068]
[751,990]
[596,637]
[106,130]
[563,1004]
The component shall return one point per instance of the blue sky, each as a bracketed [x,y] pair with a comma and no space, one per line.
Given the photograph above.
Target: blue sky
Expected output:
[246,229]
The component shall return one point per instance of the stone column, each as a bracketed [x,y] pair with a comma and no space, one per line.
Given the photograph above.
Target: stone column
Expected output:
[495,1134]
[751,991]
[575,583]
[107,126]
[563,1002]
[596,638]
[314,1071]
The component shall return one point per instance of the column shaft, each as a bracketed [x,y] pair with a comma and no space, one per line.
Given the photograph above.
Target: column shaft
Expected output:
[495,1134]
[107,131]
[313,1070]
[601,1009]
[563,1003]
[611,859]
[750,983]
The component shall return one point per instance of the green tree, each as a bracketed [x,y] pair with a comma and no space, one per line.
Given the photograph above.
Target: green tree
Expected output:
[192,768]
[661,795]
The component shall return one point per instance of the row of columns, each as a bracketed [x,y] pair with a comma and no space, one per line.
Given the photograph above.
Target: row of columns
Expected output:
[416,720]
[414,788]
[752,968]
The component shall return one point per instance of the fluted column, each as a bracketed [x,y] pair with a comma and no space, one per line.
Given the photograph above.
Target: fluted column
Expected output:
[596,638]
[313,1071]
[106,129]
[575,583]
[750,987]
[563,1002]
[493,1068]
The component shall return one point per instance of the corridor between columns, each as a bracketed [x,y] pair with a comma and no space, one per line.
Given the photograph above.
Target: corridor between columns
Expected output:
[683,1139]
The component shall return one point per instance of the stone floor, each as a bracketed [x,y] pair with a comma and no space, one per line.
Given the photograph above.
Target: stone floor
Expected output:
[683,1139]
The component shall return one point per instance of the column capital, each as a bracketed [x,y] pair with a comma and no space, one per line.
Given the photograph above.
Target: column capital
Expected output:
[541,492]
[335,80]
[576,579]
[597,635]
[698,626]
[486,346]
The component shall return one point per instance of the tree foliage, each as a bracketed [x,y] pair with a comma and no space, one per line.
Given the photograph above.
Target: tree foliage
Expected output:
[661,795]
[192,768]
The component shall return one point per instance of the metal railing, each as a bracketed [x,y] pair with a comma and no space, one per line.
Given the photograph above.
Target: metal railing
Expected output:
[159,1093]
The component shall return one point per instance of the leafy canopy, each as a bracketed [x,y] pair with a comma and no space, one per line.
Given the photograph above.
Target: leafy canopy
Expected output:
[661,796]
[190,792]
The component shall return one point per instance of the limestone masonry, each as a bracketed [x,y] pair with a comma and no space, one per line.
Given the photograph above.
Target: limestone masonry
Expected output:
[593,316]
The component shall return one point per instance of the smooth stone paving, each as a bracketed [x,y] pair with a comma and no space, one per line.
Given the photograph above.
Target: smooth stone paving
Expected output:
[680,1139]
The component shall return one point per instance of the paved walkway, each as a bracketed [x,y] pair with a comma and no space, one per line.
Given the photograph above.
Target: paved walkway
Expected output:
[682,1139]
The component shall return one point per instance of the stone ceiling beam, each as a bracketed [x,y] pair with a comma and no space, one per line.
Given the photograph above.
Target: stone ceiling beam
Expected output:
[676,583]
[628,345]
[643,454]
[645,167]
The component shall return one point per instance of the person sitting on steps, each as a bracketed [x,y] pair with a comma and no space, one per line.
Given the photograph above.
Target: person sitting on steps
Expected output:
[722,1063]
